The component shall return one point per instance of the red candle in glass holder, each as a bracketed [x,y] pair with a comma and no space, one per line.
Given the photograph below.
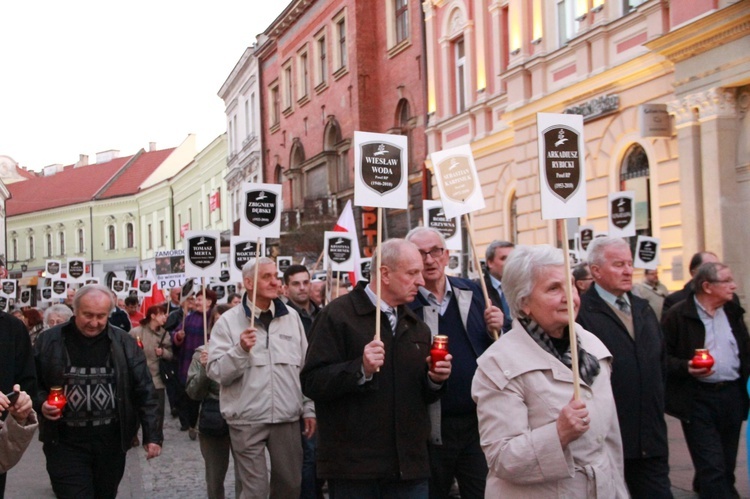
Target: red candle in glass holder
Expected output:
[703,359]
[439,349]
[139,342]
[57,398]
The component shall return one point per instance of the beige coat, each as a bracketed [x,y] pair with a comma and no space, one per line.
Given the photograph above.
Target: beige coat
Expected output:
[14,439]
[519,390]
[150,339]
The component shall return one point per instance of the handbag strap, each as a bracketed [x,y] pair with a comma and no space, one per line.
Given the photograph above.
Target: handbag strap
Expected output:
[162,338]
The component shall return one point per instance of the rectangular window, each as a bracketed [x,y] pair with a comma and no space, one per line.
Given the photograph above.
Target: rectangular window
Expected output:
[247,118]
[341,34]
[288,86]
[275,104]
[252,114]
[322,60]
[304,75]
[402,20]
[61,238]
[179,226]
[150,237]
[15,250]
[460,63]
[161,233]
[230,134]
[567,26]
[81,245]
[32,249]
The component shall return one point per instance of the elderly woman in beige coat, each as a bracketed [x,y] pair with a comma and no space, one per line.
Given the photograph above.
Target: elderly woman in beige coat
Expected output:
[538,441]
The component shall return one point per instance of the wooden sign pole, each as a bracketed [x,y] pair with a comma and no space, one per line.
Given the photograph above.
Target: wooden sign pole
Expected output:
[571,316]
[205,325]
[255,282]
[478,266]
[380,264]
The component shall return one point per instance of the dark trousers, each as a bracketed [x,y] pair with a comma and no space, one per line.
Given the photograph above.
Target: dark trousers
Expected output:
[312,487]
[89,470]
[378,489]
[2,485]
[713,435]
[460,457]
[648,478]
[187,410]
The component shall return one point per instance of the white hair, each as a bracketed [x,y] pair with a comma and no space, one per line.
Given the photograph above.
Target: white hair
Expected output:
[522,270]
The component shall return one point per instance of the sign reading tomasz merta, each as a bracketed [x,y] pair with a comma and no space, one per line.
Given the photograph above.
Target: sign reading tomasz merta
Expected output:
[562,175]
[380,170]
[457,181]
[202,251]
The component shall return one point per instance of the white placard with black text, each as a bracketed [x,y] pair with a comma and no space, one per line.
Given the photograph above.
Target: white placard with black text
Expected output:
[434,216]
[337,248]
[241,250]
[457,180]
[621,213]
[260,215]
[202,248]
[646,253]
[381,168]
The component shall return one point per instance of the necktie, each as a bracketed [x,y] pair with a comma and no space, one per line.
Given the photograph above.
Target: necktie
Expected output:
[392,319]
[622,305]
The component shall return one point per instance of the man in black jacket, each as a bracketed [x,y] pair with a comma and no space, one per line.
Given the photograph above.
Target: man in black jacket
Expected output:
[710,402]
[371,395]
[696,261]
[496,255]
[628,327]
[109,391]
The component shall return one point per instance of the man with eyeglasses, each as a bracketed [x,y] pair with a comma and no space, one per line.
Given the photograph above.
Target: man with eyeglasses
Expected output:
[710,402]
[456,308]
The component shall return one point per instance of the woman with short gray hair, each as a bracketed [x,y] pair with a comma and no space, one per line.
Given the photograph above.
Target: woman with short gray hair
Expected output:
[537,440]
[56,314]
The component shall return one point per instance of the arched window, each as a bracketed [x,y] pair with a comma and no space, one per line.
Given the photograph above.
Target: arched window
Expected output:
[403,118]
[81,242]
[634,176]
[129,234]
[15,249]
[61,241]
[332,135]
[111,236]
[48,239]
[513,218]
[32,249]
[278,175]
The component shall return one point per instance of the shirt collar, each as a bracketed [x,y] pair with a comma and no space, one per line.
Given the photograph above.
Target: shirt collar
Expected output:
[495,282]
[374,299]
[609,297]
[430,296]
[247,304]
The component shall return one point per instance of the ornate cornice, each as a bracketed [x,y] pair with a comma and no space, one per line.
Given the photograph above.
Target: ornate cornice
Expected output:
[712,103]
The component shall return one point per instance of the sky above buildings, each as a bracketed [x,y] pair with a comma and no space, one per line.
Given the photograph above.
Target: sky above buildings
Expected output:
[84,76]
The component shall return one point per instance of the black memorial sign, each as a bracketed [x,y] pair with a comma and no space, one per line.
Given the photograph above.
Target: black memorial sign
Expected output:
[58,287]
[118,286]
[365,269]
[382,170]
[562,166]
[231,288]
[144,285]
[243,253]
[25,296]
[220,290]
[47,294]
[224,276]
[53,268]
[202,251]
[339,249]
[437,220]
[3,303]
[283,264]
[622,212]
[261,207]
[587,235]
[647,251]
[75,268]
[9,288]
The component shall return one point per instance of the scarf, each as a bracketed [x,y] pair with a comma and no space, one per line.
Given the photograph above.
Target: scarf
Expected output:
[588,365]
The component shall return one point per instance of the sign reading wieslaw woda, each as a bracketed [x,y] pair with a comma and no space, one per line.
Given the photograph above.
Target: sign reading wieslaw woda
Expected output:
[434,216]
[646,253]
[621,213]
[242,249]
[457,181]
[261,216]
[338,251]
[562,175]
[380,170]
[202,252]
[76,269]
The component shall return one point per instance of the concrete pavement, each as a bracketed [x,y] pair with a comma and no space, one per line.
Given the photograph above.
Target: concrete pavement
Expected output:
[179,474]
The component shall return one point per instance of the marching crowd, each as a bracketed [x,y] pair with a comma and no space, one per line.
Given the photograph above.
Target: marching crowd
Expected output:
[347,397]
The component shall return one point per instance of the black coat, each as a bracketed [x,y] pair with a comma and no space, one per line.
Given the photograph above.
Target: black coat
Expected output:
[135,394]
[16,359]
[379,429]
[638,372]
[498,302]
[684,332]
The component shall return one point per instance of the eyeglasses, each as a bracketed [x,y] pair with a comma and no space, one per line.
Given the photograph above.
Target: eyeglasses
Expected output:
[723,281]
[435,253]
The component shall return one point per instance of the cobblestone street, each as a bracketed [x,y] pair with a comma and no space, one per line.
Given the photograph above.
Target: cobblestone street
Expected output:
[178,472]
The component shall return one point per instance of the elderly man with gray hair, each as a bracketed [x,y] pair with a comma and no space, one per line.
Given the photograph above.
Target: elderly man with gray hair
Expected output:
[628,327]
[711,402]
[258,369]
[109,392]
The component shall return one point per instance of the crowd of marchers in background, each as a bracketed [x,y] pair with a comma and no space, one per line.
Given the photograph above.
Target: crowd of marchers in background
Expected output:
[350,398]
